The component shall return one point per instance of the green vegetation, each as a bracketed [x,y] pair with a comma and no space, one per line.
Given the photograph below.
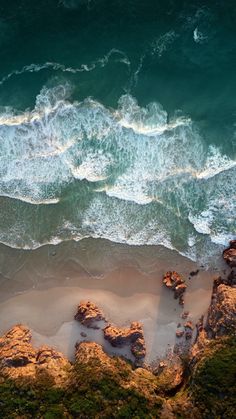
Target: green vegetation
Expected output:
[213,384]
[113,390]
[93,393]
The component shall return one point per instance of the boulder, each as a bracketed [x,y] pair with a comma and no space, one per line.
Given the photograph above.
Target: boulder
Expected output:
[176,283]
[133,335]
[229,254]
[89,314]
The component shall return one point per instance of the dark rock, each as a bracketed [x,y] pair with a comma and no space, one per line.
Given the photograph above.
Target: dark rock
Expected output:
[188,335]
[194,273]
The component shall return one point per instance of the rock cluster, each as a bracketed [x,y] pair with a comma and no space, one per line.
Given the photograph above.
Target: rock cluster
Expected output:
[18,358]
[176,283]
[133,335]
[89,314]
[229,254]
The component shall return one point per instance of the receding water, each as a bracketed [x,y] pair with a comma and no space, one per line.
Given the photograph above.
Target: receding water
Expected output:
[117,121]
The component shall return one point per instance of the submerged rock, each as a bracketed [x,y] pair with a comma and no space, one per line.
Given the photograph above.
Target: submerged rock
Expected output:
[176,283]
[89,314]
[229,254]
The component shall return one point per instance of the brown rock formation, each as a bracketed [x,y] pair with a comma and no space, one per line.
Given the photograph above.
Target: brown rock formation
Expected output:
[133,335]
[176,283]
[229,254]
[222,312]
[89,314]
[18,358]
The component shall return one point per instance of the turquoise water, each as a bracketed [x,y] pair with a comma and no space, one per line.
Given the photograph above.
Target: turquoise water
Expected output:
[117,120]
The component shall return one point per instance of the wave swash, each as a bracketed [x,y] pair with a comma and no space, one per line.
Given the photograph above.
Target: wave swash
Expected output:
[130,175]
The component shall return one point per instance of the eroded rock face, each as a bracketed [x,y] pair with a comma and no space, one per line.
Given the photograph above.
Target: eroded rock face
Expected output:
[176,283]
[15,348]
[121,336]
[229,254]
[222,312]
[19,359]
[89,314]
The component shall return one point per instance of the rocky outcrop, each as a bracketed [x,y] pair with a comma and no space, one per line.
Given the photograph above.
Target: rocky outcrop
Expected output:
[89,314]
[229,254]
[222,312]
[133,335]
[19,359]
[176,283]
[86,352]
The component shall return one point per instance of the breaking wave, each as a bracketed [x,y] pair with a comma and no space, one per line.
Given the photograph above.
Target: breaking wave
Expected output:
[131,175]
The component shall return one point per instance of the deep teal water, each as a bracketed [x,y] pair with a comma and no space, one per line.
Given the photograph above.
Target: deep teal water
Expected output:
[117,120]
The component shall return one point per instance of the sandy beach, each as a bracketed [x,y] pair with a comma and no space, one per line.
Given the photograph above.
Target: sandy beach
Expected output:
[43,288]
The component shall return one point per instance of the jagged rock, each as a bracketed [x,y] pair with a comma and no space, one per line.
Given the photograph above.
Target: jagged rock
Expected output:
[179,333]
[188,335]
[188,325]
[179,290]
[118,336]
[176,283]
[232,278]
[15,348]
[138,348]
[222,312]
[89,314]
[54,364]
[19,360]
[170,377]
[171,279]
[229,254]
[194,273]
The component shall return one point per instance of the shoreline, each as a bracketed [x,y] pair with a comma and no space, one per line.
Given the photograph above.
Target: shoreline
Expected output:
[50,283]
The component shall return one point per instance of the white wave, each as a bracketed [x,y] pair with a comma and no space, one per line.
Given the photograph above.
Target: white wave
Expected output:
[215,164]
[202,222]
[121,57]
[93,168]
[159,182]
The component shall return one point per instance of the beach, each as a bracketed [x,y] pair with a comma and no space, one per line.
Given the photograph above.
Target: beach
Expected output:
[42,289]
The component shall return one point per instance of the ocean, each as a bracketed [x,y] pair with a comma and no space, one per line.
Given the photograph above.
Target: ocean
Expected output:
[117,121]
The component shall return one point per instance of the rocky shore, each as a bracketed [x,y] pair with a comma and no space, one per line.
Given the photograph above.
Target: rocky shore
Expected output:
[196,381]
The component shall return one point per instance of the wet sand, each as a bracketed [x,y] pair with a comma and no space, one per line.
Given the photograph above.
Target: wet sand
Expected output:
[43,288]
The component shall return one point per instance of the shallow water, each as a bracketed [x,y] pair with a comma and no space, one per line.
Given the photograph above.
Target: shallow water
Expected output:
[117,121]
